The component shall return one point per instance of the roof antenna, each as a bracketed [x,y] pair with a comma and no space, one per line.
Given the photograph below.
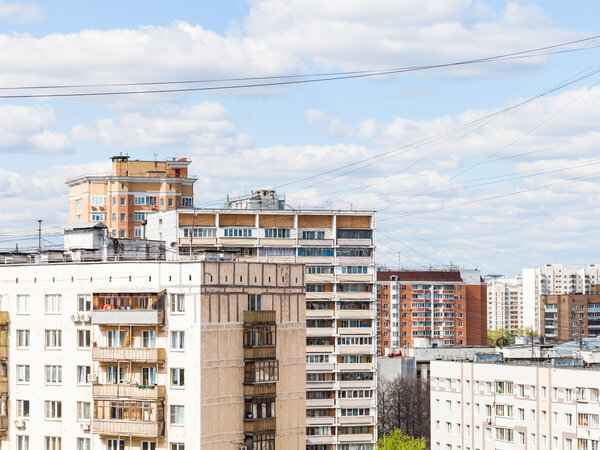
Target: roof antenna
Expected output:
[155,155]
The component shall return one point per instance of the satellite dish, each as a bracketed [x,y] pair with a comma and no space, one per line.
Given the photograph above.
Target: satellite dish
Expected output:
[173,244]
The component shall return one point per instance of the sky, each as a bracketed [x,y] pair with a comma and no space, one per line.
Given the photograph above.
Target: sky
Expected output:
[491,165]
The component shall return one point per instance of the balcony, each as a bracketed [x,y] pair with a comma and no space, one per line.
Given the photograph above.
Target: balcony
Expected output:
[3,385]
[258,317]
[3,352]
[128,317]
[130,354]
[356,367]
[3,318]
[319,313]
[259,425]
[355,349]
[355,330]
[320,331]
[260,389]
[356,437]
[319,278]
[128,428]
[320,349]
[259,352]
[322,420]
[320,403]
[355,295]
[365,278]
[120,391]
[355,314]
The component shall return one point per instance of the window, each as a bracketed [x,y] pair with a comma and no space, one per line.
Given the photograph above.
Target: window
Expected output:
[504,387]
[179,446]
[53,374]
[137,232]
[122,233]
[178,377]
[254,302]
[148,338]
[262,371]
[488,434]
[83,411]
[97,200]
[148,376]
[83,338]
[186,202]
[532,440]
[23,373]
[521,414]
[53,409]
[123,201]
[568,445]
[316,252]
[569,419]
[22,442]
[313,235]
[138,216]
[521,436]
[115,374]
[83,444]
[83,374]
[177,340]
[177,415]
[22,304]
[22,409]
[148,445]
[115,444]
[139,201]
[532,393]
[520,390]
[569,395]
[177,303]
[53,303]
[170,202]
[237,232]
[543,389]
[532,416]
[53,339]
[84,303]
[116,338]
[277,233]
[97,217]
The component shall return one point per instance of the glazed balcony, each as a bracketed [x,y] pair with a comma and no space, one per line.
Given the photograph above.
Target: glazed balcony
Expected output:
[128,428]
[137,308]
[120,391]
[257,390]
[129,354]
[256,426]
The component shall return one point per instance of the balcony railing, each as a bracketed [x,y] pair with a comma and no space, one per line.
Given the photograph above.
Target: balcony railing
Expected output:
[3,318]
[3,352]
[132,354]
[253,390]
[118,391]
[259,425]
[128,428]
[259,316]
[259,352]
[3,385]
[128,317]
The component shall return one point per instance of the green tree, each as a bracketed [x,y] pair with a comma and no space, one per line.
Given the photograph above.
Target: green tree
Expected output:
[397,440]
[494,335]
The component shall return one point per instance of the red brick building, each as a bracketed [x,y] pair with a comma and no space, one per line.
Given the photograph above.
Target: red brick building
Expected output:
[430,308]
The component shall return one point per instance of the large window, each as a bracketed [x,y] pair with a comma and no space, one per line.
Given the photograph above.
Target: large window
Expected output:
[237,232]
[138,216]
[277,233]
[354,234]
[53,339]
[186,202]
[53,374]
[115,374]
[115,338]
[97,217]
[355,252]
[319,269]
[200,232]
[306,234]
[265,441]
[316,252]
[130,410]
[504,387]
[97,200]
[355,269]
[148,445]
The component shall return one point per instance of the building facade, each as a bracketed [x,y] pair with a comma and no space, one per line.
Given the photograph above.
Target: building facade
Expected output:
[553,279]
[337,248]
[570,316]
[430,308]
[121,199]
[480,406]
[504,302]
[148,355]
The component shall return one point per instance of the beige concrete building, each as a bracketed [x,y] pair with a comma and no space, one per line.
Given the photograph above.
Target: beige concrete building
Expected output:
[337,248]
[504,302]
[147,355]
[121,199]
[514,405]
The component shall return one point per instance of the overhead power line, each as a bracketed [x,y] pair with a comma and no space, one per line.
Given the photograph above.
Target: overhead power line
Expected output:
[271,81]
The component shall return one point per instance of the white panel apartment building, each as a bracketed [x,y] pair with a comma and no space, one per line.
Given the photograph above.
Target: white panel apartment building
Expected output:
[487,406]
[504,302]
[554,279]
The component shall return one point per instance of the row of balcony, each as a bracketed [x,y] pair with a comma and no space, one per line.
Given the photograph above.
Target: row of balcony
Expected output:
[333,331]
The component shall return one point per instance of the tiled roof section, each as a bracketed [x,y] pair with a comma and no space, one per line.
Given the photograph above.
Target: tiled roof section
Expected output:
[427,275]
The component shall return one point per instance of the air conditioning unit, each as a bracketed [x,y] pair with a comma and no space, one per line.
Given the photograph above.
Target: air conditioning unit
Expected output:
[20,424]
[75,318]
[89,378]
[94,208]
[85,317]
[101,208]
[85,426]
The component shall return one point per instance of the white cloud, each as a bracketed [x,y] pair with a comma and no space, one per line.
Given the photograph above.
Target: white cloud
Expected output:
[14,12]
[27,129]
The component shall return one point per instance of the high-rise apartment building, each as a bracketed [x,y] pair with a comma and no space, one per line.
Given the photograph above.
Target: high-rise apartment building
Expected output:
[148,355]
[504,302]
[514,405]
[121,199]
[430,308]
[570,316]
[337,248]
[553,279]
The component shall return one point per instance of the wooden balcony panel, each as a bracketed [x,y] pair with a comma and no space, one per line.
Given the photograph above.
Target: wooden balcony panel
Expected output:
[125,428]
[259,425]
[4,385]
[133,354]
[117,391]
[259,316]
[259,352]
[3,353]
[259,389]
[3,318]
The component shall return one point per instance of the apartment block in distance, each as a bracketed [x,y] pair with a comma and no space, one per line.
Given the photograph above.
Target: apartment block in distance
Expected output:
[504,302]
[570,316]
[121,199]
[547,404]
[148,355]
[337,248]
[430,308]
[554,279]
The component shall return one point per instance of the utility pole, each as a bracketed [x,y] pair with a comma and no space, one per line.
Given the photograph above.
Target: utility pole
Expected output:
[39,236]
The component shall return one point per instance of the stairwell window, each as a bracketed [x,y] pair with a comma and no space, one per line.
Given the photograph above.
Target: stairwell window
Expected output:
[254,302]
[177,303]
[177,340]
[22,304]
